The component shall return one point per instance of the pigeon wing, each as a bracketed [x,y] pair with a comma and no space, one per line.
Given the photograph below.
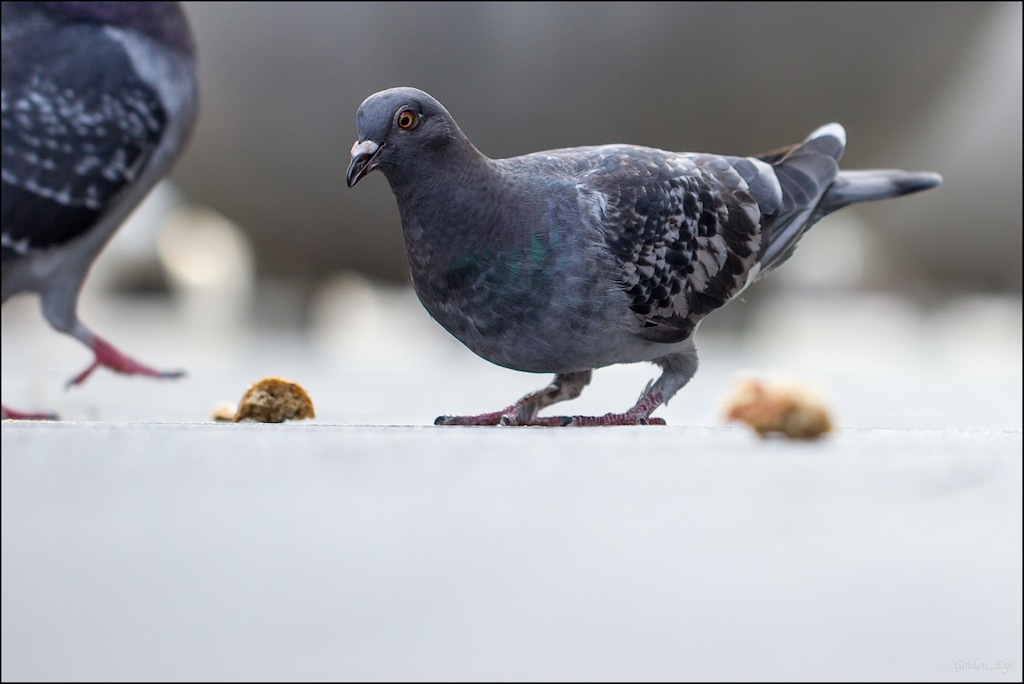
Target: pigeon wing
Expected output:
[74,138]
[684,229]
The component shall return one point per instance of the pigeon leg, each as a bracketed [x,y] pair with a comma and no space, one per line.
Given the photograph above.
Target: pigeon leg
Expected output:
[109,357]
[11,414]
[679,368]
[59,310]
[565,386]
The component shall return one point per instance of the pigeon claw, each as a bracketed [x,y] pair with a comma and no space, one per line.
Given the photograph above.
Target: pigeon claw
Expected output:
[613,419]
[502,419]
[485,419]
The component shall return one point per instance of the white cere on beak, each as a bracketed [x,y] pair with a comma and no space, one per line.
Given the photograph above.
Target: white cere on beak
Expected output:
[365,147]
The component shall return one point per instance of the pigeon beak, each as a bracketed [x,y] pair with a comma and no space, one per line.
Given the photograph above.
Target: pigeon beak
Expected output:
[364,154]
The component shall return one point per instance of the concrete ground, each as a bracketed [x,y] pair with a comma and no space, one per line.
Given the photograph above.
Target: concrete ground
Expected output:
[141,540]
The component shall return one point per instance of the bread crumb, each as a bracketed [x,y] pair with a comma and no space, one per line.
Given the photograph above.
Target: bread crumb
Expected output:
[781,405]
[275,400]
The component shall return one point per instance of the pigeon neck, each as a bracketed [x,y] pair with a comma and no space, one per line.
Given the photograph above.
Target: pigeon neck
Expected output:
[449,182]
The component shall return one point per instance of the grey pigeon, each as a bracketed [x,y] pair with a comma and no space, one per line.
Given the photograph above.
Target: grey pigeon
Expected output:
[99,99]
[574,259]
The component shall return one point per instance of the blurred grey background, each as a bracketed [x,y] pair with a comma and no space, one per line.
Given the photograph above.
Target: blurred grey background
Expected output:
[933,86]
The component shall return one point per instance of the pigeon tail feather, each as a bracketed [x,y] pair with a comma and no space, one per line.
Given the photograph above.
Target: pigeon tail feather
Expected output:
[813,187]
[805,173]
[874,184]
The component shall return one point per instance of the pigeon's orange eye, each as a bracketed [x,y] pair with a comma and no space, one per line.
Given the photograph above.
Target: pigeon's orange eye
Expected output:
[406,119]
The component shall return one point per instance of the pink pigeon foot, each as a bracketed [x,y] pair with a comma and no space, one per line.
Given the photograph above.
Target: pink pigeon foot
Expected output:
[11,414]
[109,357]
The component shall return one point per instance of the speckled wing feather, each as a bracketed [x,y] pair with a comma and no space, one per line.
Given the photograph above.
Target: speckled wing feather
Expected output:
[56,119]
[685,230]
[691,231]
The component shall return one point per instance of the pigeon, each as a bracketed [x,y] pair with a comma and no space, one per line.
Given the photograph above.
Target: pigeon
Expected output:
[574,259]
[99,99]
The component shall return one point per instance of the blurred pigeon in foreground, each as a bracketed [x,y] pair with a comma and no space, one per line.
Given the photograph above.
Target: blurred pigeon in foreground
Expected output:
[574,259]
[98,100]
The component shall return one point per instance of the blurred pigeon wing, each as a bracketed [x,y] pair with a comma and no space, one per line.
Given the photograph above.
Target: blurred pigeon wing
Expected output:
[59,116]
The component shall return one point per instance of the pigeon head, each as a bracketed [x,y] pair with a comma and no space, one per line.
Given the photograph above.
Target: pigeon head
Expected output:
[397,125]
